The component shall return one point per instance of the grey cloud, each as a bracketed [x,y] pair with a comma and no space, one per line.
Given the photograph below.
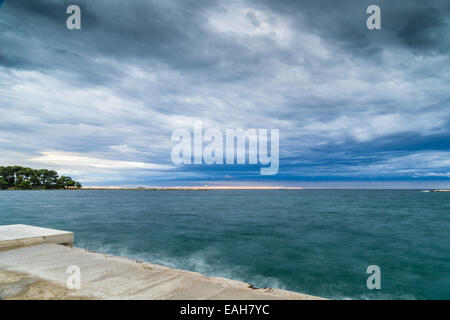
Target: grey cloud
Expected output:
[138,69]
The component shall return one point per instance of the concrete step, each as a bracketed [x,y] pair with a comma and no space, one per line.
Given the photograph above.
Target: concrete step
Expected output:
[19,235]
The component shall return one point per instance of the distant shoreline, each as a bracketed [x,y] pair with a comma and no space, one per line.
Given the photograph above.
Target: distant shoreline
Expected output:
[113,188]
[193,188]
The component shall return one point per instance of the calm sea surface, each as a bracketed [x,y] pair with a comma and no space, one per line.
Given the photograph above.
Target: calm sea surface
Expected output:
[318,242]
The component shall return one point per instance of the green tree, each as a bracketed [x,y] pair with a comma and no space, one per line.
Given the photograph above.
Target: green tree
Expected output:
[16,177]
[24,185]
[66,182]
[3,183]
[8,174]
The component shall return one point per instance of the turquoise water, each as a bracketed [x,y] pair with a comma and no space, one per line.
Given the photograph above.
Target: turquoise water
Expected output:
[318,242]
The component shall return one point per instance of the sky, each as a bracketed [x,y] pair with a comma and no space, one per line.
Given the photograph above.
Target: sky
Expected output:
[355,108]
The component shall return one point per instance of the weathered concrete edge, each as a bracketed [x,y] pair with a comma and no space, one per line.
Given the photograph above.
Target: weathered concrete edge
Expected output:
[63,239]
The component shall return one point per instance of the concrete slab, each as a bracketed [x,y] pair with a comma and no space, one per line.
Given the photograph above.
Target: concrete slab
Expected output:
[19,235]
[44,267]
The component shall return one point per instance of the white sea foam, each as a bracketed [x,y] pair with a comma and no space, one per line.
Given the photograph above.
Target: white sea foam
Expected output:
[198,261]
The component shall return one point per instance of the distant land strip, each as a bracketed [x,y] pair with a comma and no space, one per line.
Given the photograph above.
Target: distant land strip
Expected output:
[205,188]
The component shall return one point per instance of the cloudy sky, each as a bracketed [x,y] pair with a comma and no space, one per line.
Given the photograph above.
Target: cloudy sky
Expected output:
[355,107]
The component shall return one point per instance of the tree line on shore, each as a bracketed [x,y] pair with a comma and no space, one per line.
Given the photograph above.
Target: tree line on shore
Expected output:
[22,178]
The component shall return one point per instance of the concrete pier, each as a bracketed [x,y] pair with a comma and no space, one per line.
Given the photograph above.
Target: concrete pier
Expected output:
[41,271]
[18,235]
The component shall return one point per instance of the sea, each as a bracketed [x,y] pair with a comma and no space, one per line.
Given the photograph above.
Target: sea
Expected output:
[318,242]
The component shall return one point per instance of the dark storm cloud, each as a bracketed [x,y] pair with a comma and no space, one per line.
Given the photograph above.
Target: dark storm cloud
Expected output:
[344,98]
[177,33]
[169,32]
[427,30]
[420,25]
